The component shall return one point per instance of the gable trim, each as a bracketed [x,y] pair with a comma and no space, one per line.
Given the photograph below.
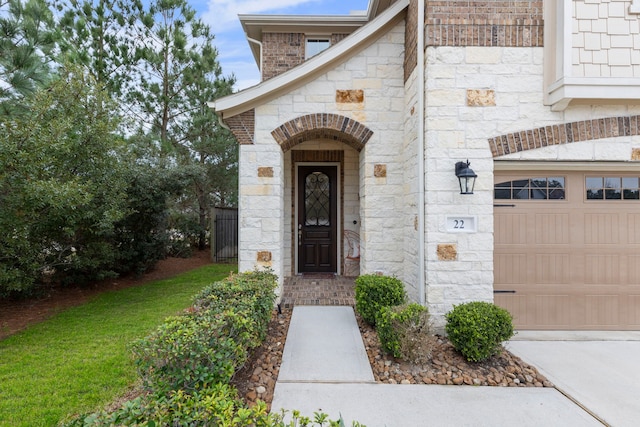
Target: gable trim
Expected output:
[564,133]
[244,100]
[322,126]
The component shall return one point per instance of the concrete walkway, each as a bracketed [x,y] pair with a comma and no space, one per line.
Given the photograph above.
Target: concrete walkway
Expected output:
[601,376]
[325,369]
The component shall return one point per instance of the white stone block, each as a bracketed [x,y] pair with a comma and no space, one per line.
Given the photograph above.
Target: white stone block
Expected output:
[445,54]
[439,98]
[483,55]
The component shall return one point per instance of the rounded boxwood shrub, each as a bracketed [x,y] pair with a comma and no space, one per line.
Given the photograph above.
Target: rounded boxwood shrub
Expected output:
[477,329]
[374,292]
[405,332]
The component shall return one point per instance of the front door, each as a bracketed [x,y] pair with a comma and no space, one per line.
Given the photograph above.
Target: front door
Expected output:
[317,219]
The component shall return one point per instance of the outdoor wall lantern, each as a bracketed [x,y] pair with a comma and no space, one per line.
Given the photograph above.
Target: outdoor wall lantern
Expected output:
[466,176]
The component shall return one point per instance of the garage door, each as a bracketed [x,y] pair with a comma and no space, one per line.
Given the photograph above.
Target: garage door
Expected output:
[567,249]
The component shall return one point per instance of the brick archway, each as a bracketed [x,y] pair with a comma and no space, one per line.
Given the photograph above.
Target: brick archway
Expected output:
[566,133]
[322,126]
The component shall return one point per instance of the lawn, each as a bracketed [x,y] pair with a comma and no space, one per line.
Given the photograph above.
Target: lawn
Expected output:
[79,360]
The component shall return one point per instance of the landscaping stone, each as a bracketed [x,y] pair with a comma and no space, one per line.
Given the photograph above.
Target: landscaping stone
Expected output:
[257,379]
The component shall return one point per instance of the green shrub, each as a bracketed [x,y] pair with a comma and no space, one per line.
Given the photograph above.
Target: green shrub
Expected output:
[218,405]
[477,329]
[208,343]
[193,351]
[252,292]
[374,292]
[405,332]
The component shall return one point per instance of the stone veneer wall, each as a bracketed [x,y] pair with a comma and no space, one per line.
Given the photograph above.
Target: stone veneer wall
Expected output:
[485,104]
[377,72]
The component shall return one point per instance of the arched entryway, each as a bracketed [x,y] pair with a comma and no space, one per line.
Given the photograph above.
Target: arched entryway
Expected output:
[321,153]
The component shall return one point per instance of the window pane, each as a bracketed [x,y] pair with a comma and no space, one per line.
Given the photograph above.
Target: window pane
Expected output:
[594,188]
[315,46]
[594,183]
[556,187]
[502,191]
[630,182]
[612,182]
[317,199]
[631,194]
[612,194]
[539,188]
[520,189]
[612,188]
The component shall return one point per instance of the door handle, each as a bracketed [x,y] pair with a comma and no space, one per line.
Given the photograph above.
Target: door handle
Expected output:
[299,234]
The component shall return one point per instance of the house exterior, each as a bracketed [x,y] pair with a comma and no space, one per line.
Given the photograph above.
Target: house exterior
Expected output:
[348,149]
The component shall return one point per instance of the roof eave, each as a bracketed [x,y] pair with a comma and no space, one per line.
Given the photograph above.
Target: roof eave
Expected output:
[246,99]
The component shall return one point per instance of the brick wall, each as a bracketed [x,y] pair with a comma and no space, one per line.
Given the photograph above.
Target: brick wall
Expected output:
[484,23]
[411,40]
[281,52]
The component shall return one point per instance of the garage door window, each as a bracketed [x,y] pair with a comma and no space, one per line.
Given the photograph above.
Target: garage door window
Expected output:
[544,188]
[612,188]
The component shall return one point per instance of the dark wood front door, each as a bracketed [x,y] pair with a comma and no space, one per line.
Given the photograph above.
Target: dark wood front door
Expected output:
[317,219]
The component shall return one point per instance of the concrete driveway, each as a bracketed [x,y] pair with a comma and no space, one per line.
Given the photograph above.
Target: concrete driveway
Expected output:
[599,371]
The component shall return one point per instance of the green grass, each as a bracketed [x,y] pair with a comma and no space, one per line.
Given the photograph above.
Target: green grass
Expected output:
[79,360]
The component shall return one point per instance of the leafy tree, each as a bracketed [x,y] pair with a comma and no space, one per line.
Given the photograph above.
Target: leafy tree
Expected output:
[27,48]
[62,186]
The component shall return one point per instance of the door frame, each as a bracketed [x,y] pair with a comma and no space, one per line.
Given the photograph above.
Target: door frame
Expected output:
[339,219]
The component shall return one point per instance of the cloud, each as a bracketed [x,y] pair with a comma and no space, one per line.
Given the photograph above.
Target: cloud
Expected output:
[222,15]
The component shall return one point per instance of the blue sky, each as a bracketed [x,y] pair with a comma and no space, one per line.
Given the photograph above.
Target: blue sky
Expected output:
[233,49]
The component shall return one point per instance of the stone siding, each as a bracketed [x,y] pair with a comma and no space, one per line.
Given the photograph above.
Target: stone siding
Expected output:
[516,122]
[372,202]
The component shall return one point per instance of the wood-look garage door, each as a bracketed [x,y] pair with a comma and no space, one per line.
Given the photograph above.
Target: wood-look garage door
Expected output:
[567,249]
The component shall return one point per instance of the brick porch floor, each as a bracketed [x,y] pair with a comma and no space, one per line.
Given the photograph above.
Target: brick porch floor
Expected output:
[318,289]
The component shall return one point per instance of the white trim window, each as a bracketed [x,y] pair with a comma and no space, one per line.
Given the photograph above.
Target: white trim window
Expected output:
[315,45]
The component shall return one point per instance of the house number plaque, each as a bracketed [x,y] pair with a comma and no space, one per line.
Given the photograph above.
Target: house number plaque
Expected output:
[462,224]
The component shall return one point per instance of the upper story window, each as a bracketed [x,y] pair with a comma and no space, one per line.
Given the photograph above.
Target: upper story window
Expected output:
[315,45]
[544,188]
